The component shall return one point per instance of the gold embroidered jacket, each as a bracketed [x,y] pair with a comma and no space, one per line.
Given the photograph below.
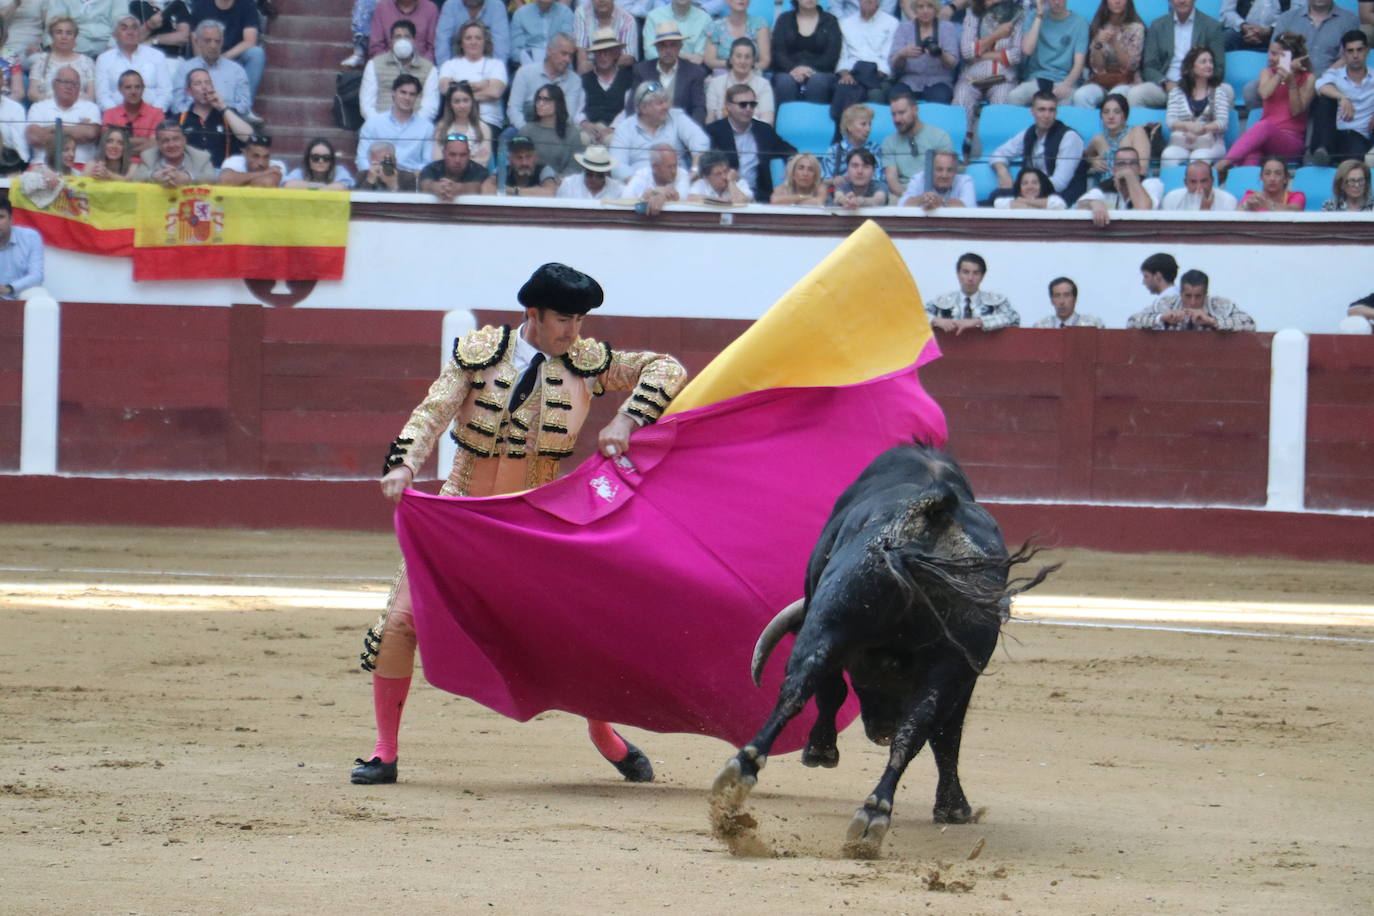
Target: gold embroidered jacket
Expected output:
[501,450]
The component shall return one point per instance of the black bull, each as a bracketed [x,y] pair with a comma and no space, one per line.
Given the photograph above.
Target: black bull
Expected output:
[906,591]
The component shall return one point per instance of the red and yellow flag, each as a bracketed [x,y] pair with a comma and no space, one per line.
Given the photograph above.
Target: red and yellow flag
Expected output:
[96,217]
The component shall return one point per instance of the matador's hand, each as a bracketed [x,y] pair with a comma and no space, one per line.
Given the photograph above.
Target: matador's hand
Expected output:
[395,481]
[615,438]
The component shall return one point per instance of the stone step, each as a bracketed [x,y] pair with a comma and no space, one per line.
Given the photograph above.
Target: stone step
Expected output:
[321,28]
[299,54]
[295,81]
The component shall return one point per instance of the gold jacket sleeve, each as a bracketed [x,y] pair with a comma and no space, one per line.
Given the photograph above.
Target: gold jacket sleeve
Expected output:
[429,420]
[654,379]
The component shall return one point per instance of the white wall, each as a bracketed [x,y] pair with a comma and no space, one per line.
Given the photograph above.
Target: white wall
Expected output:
[729,273]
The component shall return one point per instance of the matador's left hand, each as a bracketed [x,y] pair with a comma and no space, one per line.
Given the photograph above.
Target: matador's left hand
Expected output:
[615,438]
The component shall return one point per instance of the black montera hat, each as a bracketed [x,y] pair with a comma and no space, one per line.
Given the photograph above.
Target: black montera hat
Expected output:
[561,288]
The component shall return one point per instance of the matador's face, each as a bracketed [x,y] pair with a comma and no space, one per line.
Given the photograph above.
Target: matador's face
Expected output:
[552,332]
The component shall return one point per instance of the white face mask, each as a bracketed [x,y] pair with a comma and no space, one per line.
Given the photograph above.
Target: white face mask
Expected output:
[403,48]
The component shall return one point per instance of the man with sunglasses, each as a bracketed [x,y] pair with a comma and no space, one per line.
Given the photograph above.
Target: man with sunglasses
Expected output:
[751,145]
[454,174]
[254,167]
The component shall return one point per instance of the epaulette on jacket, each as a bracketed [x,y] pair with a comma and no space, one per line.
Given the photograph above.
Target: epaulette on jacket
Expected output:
[587,357]
[481,348]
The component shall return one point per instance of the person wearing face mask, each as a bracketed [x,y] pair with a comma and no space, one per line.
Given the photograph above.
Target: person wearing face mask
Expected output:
[373,95]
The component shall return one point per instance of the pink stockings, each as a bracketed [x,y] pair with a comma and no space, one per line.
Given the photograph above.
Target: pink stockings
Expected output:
[1265,139]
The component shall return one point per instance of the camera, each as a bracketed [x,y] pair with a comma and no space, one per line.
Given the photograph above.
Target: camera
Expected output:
[930,45]
[388,166]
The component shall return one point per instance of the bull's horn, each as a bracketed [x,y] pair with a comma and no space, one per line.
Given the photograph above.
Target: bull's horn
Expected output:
[787,619]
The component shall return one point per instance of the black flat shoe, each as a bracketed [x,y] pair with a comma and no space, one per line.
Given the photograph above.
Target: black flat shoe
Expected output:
[375,772]
[634,766]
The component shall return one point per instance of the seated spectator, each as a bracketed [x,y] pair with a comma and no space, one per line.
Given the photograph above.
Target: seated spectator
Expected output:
[126,55]
[1343,114]
[864,72]
[1363,308]
[859,187]
[687,20]
[533,25]
[526,175]
[458,115]
[750,144]
[114,160]
[947,188]
[723,34]
[557,69]
[231,82]
[454,174]
[990,46]
[1287,88]
[473,62]
[856,125]
[1250,27]
[1056,48]
[924,54]
[491,13]
[1050,146]
[407,132]
[14,144]
[254,167]
[242,25]
[1199,192]
[210,124]
[171,163]
[686,79]
[717,184]
[24,38]
[11,66]
[382,173]
[1162,66]
[551,130]
[80,118]
[741,72]
[662,181]
[606,87]
[1116,42]
[1350,188]
[320,169]
[972,307]
[63,32]
[95,20]
[1199,111]
[1321,24]
[374,93]
[134,114]
[904,151]
[603,15]
[595,181]
[1192,310]
[806,48]
[1127,189]
[1064,298]
[361,21]
[1100,153]
[422,13]
[1157,273]
[21,254]
[801,184]
[1033,192]
[1273,193]
[654,122]
[167,29]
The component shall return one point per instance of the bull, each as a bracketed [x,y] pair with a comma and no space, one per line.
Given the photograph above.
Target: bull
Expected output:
[906,592]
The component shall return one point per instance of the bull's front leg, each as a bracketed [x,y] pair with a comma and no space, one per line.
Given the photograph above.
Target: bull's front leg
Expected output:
[821,749]
[951,806]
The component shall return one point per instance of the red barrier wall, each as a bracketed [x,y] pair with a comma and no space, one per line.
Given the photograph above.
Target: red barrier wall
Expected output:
[1340,422]
[11,379]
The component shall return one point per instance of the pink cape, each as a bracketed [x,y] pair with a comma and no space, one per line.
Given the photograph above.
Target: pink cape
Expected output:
[636,595]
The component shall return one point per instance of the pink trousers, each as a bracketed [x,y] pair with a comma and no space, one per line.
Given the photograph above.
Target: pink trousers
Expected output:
[1266,139]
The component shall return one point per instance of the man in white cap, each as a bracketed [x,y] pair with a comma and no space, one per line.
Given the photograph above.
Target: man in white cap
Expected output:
[515,401]
[690,22]
[595,182]
[674,71]
[606,87]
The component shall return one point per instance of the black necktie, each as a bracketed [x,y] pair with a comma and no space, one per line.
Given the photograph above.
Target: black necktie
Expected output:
[968,307]
[526,383]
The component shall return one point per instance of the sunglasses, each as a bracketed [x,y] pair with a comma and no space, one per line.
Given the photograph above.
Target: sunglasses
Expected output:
[321,157]
[258,140]
[463,137]
[754,104]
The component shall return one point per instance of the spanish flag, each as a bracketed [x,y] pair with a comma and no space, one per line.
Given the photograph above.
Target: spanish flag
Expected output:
[97,217]
[204,232]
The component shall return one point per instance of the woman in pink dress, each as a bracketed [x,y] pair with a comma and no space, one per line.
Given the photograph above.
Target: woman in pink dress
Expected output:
[1287,88]
[1273,193]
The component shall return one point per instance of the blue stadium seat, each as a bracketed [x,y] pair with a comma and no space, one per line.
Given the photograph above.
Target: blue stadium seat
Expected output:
[949,118]
[1086,121]
[882,124]
[1243,178]
[779,171]
[1085,8]
[1150,10]
[984,179]
[1210,7]
[999,123]
[1253,118]
[806,125]
[765,10]
[1315,182]
[1172,177]
[1140,116]
[1351,5]
[1233,128]
[1241,68]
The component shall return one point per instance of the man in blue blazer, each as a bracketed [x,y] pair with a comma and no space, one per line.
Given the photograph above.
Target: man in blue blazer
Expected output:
[751,144]
[1159,66]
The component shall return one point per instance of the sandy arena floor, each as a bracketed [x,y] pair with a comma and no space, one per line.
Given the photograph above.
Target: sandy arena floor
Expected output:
[181,708]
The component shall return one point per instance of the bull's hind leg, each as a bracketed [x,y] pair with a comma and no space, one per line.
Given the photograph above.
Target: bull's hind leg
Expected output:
[821,750]
[951,807]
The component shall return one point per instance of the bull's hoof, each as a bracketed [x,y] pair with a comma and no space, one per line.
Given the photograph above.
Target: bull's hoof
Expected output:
[732,785]
[828,757]
[867,830]
[953,814]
